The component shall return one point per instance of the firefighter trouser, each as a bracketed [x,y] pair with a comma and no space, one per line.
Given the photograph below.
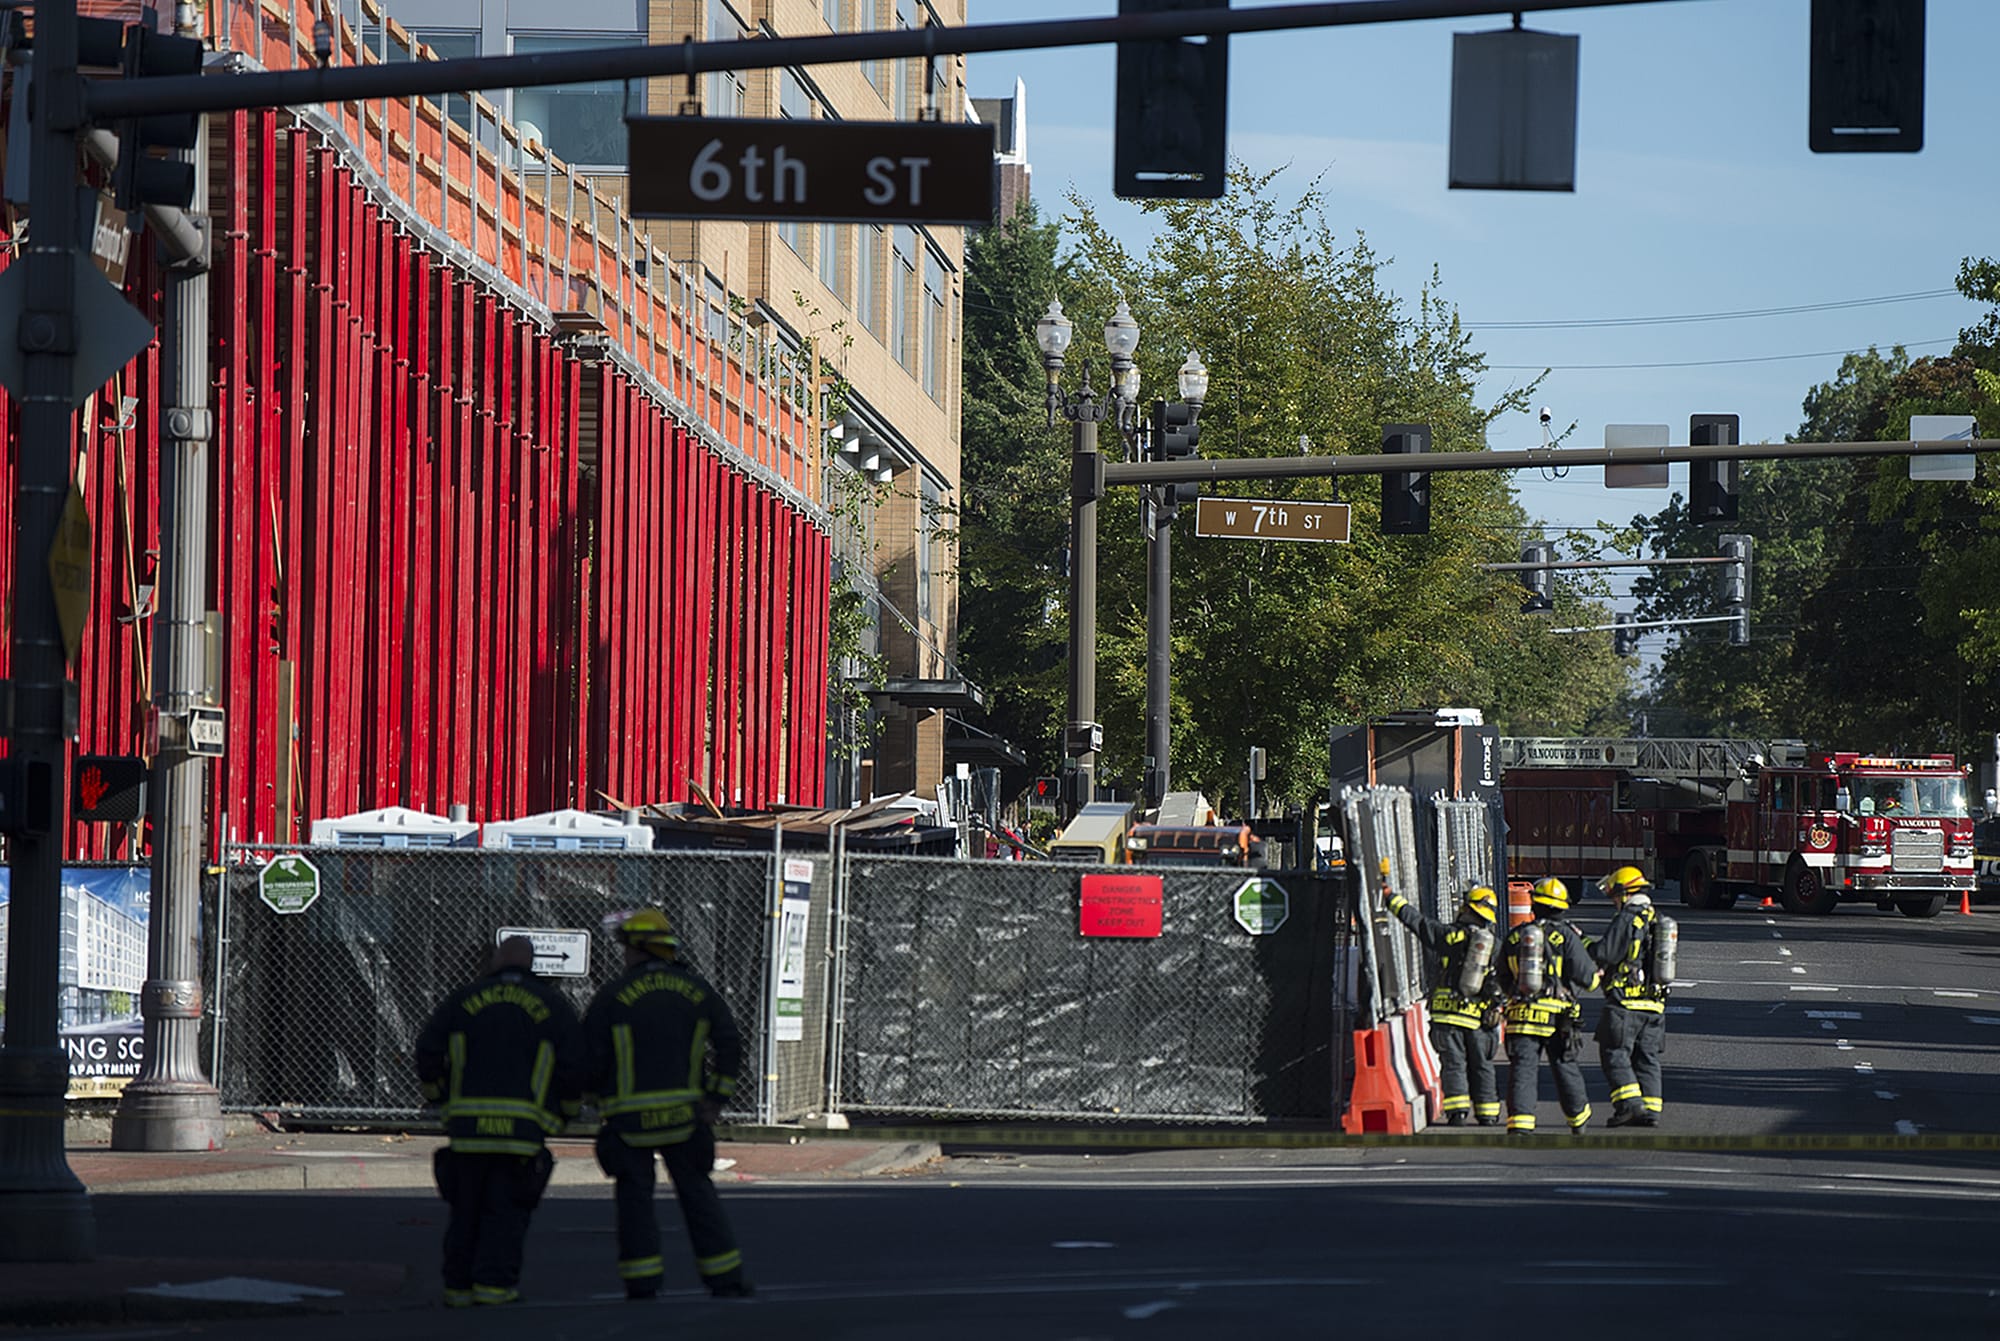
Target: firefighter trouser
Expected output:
[491,1198]
[1465,1068]
[689,1164]
[1629,1045]
[1524,1054]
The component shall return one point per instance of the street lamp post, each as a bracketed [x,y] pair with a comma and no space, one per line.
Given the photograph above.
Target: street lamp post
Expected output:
[1193,385]
[1083,737]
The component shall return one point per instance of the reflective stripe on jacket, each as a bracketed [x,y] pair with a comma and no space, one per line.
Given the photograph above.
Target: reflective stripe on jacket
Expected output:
[1567,970]
[660,1041]
[1623,952]
[503,1058]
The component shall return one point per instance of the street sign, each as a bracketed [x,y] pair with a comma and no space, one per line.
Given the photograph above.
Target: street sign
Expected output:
[69,568]
[288,884]
[559,951]
[831,171]
[1272,519]
[1943,428]
[207,729]
[1261,905]
[109,331]
[1647,475]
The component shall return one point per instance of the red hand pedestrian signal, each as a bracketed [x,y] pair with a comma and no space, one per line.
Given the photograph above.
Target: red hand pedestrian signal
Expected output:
[108,789]
[92,787]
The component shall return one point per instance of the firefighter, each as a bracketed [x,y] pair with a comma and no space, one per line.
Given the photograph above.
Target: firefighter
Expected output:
[663,1053]
[503,1057]
[1543,964]
[1632,1032]
[1465,1026]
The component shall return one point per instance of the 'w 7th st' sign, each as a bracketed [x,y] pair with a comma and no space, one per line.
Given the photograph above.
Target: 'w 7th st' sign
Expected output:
[1271,519]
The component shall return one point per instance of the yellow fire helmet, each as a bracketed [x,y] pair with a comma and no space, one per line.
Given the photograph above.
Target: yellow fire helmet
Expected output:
[1623,881]
[648,929]
[1484,902]
[1552,893]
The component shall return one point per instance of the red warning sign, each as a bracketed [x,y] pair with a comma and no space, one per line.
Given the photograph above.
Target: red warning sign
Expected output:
[1120,905]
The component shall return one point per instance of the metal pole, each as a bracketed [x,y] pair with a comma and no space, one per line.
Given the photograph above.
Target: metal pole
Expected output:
[1159,653]
[170,1104]
[1083,596]
[45,1213]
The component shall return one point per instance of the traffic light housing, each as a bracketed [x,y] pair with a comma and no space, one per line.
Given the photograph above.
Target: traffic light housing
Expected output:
[1178,438]
[1624,637]
[1539,581]
[1046,791]
[1172,136]
[141,178]
[1736,587]
[1867,87]
[1713,485]
[1406,494]
[108,789]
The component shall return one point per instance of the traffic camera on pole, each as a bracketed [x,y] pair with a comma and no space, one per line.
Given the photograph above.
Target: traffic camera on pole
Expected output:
[141,178]
[1736,587]
[1539,581]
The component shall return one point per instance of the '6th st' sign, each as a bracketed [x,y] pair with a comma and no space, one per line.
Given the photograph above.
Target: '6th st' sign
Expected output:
[687,167]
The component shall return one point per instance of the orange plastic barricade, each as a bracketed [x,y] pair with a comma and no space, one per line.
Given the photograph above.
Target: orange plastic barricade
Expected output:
[1520,902]
[1424,1065]
[1403,1058]
[1378,1102]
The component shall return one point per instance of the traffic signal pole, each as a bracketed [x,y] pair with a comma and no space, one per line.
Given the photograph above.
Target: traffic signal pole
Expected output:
[45,1214]
[1159,659]
[170,1105]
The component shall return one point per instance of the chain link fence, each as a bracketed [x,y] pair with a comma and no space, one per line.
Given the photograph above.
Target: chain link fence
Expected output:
[315,1012]
[965,989]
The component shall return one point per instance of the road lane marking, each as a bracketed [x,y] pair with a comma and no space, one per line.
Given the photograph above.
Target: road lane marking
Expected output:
[1828,1024]
[1865,1068]
[1843,1045]
[1140,1312]
[1689,1010]
[1797,969]
[1777,935]
[1082,1243]
[1833,1015]
[1939,991]
[1775,963]
[1887,1094]
[1783,951]
[1905,1127]
[1808,987]
[1580,1191]
[1984,1019]
[1770,921]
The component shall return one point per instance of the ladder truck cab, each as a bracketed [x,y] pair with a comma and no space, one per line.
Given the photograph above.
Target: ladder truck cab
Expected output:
[1892,831]
[1726,818]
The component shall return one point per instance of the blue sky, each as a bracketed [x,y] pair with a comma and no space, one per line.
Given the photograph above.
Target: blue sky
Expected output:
[1695,194]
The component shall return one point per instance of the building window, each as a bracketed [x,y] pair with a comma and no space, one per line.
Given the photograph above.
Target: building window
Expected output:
[839,14]
[927,515]
[867,261]
[717,306]
[726,88]
[794,104]
[909,74]
[583,124]
[902,281]
[832,260]
[934,327]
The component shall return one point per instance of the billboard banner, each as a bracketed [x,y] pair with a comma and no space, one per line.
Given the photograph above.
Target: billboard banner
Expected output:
[105,912]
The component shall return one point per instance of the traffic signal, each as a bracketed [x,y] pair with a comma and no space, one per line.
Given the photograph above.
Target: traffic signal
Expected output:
[1713,485]
[1178,438]
[108,788]
[1624,637]
[1539,581]
[141,178]
[1736,587]
[1173,106]
[1867,89]
[1046,791]
[1406,494]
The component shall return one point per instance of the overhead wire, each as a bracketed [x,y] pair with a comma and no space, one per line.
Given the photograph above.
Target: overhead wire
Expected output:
[1710,363]
[1688,318]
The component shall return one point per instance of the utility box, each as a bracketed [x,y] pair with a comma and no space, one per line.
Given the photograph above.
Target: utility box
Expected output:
[567,831]
[396,827]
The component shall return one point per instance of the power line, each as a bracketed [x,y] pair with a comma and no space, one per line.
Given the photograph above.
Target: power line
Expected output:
[1702,363]
[1691,317]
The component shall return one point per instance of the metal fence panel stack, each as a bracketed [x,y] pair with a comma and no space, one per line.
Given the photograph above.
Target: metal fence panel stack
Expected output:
[1464,856]
[1381,825]
[970,991]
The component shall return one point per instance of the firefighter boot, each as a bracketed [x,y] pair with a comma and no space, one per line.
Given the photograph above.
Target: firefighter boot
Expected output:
[1458,1117]
[730,1285]
[1628,1113]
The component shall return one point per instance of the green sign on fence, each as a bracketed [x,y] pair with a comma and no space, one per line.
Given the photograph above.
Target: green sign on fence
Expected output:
[1261,906]
[288,884]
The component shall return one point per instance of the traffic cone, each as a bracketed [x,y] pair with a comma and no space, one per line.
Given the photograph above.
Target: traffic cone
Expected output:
[1769,902]
[1965,902]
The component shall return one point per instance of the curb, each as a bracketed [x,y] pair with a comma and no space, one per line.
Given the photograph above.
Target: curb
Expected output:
[914,1157]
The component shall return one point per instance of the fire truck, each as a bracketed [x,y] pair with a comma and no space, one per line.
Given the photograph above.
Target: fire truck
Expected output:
[1729,818]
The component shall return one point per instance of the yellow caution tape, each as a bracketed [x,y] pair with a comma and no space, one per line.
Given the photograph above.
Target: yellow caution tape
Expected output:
[1224,1138]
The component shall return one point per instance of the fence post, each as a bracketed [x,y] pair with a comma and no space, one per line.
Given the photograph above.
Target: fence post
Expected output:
[836,1033]
[767,1087]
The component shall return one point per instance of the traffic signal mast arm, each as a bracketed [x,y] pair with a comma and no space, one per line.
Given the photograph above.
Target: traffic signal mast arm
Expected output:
[1600,563]
[1648,624]
[1533,458]
[111,100]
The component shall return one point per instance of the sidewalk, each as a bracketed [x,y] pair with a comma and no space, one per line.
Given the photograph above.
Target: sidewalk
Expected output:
[249,1255]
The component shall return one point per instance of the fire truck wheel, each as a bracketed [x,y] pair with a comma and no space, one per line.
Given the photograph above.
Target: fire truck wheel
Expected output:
[1804,891]
[1930,907]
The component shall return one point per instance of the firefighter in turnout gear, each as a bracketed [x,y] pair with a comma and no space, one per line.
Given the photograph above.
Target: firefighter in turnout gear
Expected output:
[1544,963]
[1465,1004]
[503,1057]
[663,1053]
[1637,953]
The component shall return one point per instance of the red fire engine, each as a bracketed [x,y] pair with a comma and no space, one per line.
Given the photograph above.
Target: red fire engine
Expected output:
[1725,818]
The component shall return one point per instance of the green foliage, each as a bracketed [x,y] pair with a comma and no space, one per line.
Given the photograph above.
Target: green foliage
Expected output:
[1274,643]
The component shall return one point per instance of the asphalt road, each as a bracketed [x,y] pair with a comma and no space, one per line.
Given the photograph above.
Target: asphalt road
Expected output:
[1858,1021]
